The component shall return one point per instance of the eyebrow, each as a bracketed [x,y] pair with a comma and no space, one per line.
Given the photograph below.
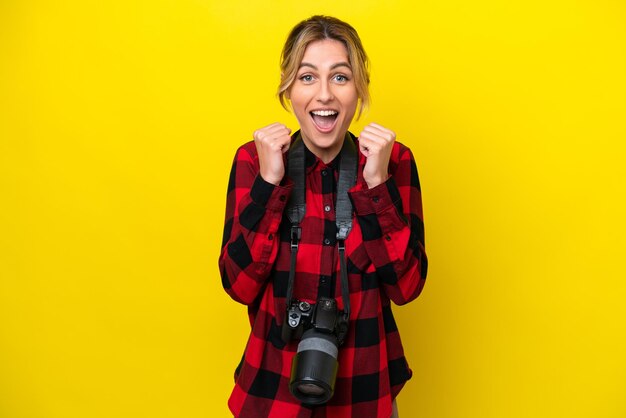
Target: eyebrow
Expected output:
[332,67]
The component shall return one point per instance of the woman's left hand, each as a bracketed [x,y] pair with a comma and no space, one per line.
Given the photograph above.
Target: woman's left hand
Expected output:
[376,143]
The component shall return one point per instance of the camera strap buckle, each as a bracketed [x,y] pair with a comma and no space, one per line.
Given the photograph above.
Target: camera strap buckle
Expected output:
[296,234]
[342,327]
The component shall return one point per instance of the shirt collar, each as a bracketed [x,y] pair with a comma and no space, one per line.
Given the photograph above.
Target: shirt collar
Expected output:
[313,162]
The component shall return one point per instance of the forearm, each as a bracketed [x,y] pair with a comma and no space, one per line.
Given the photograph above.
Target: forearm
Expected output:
[390,217]
[249,247]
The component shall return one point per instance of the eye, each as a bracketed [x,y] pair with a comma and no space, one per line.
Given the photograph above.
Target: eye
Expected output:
[306,78]
[341,79]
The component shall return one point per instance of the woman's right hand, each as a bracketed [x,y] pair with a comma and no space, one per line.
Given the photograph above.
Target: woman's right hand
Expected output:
[271,143]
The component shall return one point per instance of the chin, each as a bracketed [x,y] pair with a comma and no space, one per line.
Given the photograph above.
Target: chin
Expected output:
[324,140]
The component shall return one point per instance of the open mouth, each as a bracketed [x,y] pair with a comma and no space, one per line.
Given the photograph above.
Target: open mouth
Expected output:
[324,120]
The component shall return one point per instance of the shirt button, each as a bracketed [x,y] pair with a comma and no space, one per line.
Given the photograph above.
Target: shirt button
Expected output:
[326,241]
[387,237]
[324,172]
[327,208]
[375,199]
[282,198]
[270,237]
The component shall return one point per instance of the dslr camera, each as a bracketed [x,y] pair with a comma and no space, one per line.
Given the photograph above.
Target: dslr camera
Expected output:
[321,329]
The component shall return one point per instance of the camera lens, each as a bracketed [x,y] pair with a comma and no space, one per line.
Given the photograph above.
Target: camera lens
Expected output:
[314,368]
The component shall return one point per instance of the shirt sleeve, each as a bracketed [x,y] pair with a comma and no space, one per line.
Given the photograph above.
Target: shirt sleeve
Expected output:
[391,219]
[250,243]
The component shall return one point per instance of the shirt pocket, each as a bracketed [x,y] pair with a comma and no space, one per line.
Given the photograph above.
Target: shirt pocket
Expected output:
[361,271]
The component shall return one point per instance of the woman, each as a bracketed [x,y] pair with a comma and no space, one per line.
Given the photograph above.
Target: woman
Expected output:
[324,74]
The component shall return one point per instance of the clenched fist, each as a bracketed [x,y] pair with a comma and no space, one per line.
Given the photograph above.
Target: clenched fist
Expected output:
[271,143]
[376,143]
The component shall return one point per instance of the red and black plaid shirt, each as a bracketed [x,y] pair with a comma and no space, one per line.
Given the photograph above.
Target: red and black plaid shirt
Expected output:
[386,261]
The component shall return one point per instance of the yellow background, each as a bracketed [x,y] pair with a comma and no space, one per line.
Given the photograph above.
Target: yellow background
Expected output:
[118,124]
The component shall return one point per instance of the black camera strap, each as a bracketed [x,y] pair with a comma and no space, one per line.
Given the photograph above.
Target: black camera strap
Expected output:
[296,208]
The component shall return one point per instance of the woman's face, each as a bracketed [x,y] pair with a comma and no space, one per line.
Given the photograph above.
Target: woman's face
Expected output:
[324,97]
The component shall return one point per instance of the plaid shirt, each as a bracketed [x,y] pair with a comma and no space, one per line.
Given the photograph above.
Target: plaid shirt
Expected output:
[386,261]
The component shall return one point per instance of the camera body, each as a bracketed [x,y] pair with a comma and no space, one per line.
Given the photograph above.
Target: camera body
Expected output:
[301,316]
[321,329]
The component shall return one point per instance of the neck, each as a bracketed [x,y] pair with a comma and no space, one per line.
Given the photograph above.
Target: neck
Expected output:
[324,154]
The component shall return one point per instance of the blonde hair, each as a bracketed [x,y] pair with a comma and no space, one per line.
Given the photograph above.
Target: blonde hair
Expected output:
[317,28]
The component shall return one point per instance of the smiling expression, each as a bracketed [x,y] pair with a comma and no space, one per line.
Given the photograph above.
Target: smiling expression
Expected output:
[324,97]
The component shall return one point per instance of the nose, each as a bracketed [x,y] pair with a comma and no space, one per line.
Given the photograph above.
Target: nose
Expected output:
[325,92]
